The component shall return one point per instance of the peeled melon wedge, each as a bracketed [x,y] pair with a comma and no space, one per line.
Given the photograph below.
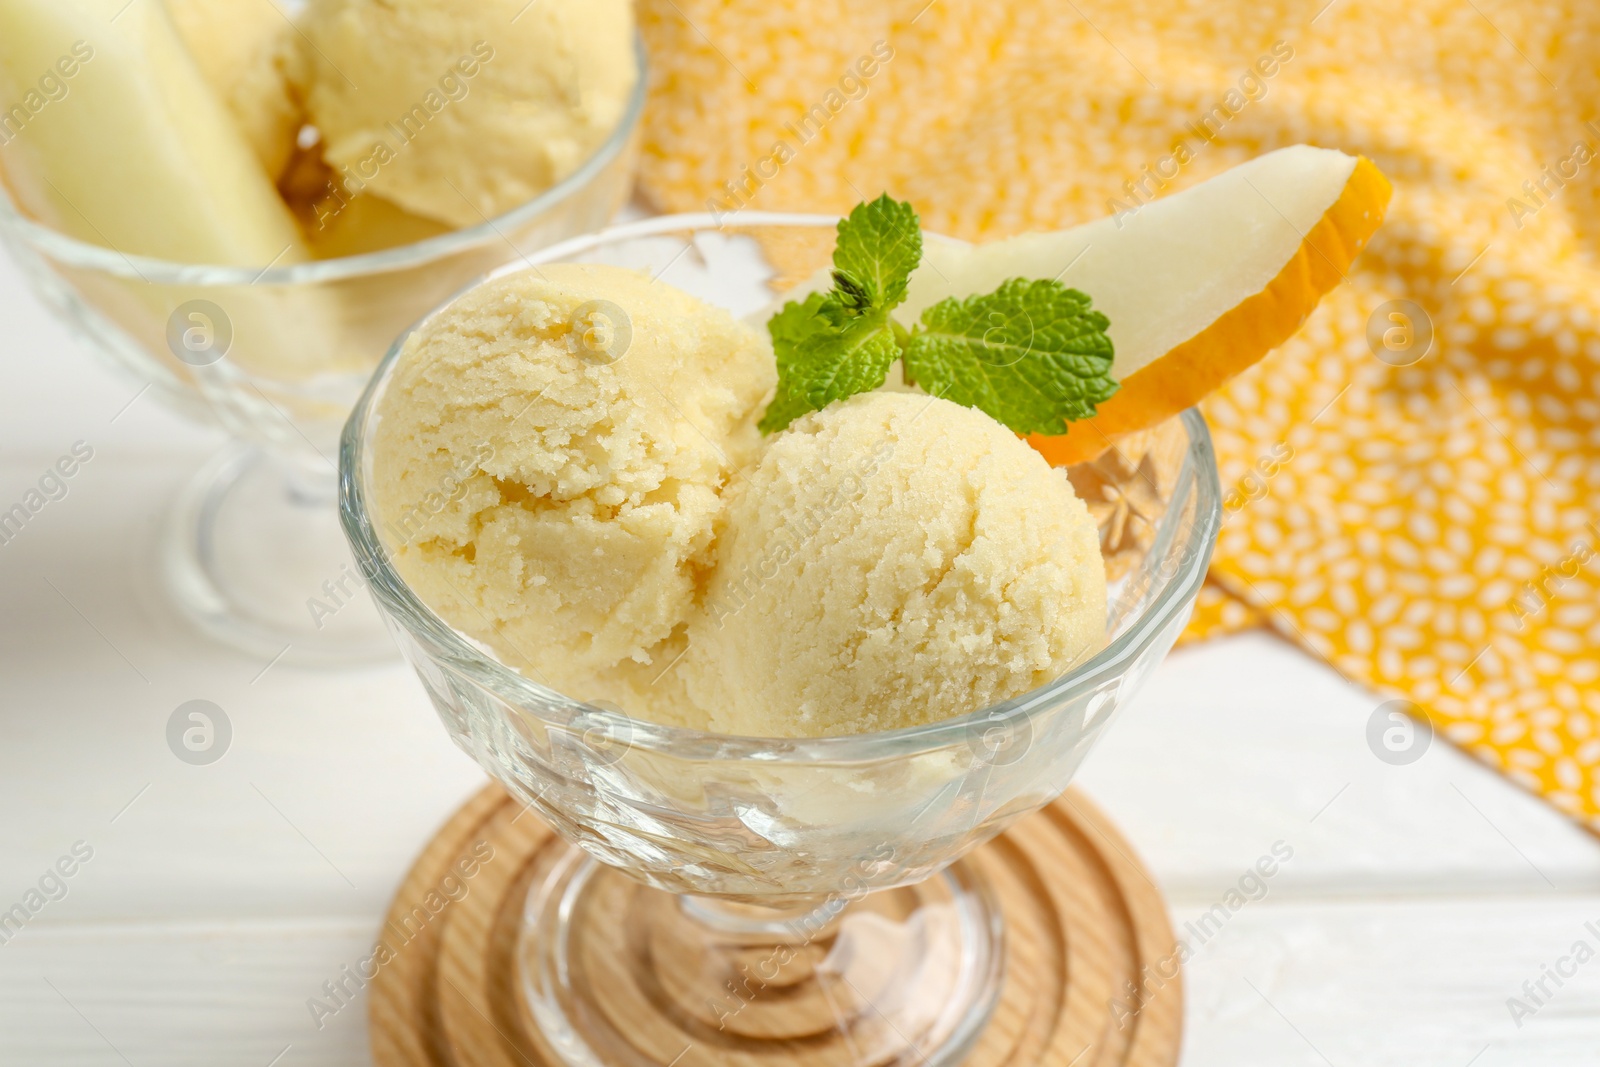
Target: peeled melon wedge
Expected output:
[1198,285]
[133,150]
[246,49]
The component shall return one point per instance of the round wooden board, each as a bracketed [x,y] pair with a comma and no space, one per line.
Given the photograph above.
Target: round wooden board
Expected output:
[1087,938]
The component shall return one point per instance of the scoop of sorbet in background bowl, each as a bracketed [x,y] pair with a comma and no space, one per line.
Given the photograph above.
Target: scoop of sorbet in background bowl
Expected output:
[718,848]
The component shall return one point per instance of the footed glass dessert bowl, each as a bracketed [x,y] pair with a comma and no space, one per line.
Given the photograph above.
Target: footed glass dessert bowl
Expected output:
[251,552]
[769,900]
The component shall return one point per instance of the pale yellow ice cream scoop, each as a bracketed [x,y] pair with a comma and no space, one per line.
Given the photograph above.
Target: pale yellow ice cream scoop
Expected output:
[459,110]
[547,465]
[891,560]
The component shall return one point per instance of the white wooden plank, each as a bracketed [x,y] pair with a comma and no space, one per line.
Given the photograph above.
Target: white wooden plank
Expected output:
[332,782]
[1416,983]
[1402,983]
[110,996]
[1243,742]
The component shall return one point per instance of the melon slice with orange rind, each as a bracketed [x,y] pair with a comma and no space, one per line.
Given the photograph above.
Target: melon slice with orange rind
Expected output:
[1198,285]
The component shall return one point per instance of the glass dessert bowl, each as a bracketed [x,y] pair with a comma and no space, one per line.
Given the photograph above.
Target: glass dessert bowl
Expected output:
[276,357]
[763,899]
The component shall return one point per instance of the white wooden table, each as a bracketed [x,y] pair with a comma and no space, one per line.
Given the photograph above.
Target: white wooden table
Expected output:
[219,898]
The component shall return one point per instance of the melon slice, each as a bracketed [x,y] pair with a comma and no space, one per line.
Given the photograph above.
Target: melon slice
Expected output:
[249,51]
[1198,285]
[117,139]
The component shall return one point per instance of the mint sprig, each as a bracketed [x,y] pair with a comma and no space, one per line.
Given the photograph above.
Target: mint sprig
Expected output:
[840,343]
[1033,355]
[879,245]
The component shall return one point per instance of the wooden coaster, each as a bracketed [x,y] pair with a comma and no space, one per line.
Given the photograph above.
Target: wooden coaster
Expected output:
[1087,939]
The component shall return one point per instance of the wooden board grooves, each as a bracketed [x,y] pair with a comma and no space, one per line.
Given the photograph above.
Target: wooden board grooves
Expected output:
[1083,920]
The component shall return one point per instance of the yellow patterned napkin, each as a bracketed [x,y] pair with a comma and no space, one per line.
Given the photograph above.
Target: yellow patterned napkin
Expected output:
[1427,521]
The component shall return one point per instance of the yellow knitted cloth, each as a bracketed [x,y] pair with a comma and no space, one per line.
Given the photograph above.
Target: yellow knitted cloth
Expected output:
[1426,522]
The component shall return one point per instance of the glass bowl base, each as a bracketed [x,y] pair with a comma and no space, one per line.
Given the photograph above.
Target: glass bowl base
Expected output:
[617,973]
[252,556]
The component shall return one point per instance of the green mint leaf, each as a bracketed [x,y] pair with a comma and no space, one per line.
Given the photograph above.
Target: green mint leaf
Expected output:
[820,362]
[836,344]
[784,409]
[852,360]
[852,294]
[789,329]
[793,324]
[1032,354]
[879,245]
